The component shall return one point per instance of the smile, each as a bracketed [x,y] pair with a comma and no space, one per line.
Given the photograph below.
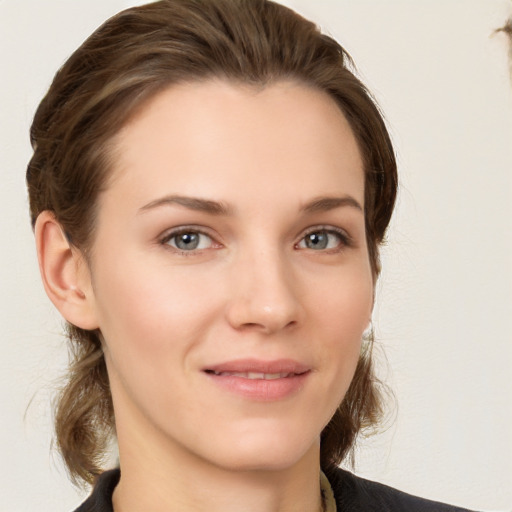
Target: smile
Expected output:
[260,381]
[254,375]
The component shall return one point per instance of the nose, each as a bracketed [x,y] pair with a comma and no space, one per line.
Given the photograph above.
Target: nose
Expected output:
[264,296]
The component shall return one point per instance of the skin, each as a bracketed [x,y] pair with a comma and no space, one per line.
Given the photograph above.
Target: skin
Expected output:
[256,286]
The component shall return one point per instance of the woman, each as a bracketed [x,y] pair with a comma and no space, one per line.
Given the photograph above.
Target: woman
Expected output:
[209,188]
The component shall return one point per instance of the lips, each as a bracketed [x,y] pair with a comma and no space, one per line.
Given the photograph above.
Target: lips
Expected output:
[259,380]
[254,375]
[258,366]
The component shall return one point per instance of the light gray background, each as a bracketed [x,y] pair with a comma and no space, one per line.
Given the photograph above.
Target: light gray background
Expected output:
[445,297]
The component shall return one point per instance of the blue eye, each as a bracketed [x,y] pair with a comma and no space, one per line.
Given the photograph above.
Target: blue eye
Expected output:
[322,239]
[188,240]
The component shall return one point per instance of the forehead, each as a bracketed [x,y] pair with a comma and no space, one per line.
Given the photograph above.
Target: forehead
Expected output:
[223,136]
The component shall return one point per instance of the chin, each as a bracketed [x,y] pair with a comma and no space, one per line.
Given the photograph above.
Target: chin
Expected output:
[258,463]
[269,453]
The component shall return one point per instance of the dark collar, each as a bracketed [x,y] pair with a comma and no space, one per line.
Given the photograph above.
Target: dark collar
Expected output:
[101,498]
[352,494]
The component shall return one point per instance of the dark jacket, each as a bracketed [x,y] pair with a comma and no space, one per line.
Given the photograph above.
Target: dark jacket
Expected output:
[355,494]
[352,494]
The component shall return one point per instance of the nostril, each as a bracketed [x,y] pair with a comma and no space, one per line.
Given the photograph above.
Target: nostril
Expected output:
[250,326]
[268,326]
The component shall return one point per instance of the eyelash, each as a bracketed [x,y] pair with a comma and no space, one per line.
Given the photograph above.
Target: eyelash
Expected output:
[182,231]
[345,241]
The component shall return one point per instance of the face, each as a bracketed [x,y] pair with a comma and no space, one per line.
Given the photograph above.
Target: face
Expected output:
[230,273]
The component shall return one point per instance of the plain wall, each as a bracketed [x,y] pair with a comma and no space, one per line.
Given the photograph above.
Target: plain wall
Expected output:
[444,300]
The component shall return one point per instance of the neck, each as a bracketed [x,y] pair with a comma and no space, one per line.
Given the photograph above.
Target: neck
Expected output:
[173,479]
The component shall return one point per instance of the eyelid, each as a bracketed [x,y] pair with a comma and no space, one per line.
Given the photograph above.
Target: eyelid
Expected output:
[346,239]
[167,235]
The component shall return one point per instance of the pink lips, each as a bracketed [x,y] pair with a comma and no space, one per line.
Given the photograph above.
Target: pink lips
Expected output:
[259,380]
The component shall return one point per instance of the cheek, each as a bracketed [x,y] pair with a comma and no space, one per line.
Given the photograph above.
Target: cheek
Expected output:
[343,313]
[146,311]
[152,325]
[344,304]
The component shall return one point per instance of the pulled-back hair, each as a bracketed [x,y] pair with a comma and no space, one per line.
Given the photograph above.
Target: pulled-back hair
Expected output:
[122,65]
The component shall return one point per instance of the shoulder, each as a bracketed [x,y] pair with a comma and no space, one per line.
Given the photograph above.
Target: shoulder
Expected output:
[101,498]
[355,494]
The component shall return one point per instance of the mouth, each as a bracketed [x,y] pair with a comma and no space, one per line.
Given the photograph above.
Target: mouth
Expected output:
[254,375]
[260,380]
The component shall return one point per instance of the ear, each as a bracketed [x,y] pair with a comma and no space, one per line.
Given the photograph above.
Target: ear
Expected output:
[65,273]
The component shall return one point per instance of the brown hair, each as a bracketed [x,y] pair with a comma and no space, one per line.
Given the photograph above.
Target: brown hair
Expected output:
[507,30]
[124,63]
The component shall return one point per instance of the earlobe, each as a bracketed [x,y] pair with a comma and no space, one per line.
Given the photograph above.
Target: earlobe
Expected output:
[65,274]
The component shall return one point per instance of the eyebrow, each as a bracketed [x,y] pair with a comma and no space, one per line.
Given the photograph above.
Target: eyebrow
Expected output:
[192,203]
[319,204]
[324,204]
